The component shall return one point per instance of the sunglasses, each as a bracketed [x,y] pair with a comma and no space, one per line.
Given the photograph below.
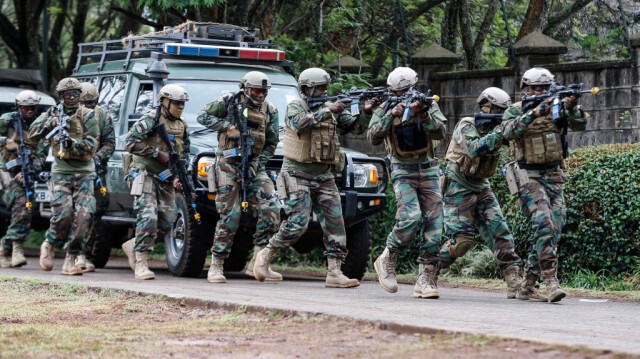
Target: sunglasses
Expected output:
[69,95]
[258,91]
[540,87]
[29,108]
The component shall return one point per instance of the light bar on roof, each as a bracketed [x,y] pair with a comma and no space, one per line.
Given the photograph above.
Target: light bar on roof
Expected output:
[228,52]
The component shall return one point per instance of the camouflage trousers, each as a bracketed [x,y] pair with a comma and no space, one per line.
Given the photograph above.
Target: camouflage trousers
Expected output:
[15,198]
[465,212]
[72,207]
[102,203]
[321,197]
[542,200]
[262,202]
[419,202]
[156,212]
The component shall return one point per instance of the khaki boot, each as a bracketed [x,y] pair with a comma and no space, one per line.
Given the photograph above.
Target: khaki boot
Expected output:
[263,259]
[385,266]
[464,243]
[216,270]
[85,264]
[430,290]
[5,258]
[424,288]
[69,266]
[335,277]
[272,276]
[47,254]
[142,266]
[513,280]
[17,258]
[529,289]
[554,292]
[127,248]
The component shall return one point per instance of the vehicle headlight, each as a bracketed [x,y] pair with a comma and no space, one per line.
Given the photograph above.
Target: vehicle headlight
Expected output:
[364,175]
[205,164]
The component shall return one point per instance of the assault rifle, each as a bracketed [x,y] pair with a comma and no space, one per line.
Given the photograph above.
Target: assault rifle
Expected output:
[353,96]
[409,97]
[24,160]
[62,131]
[179,168]
[100,171]
[246,146]
[482,118]
[557,93]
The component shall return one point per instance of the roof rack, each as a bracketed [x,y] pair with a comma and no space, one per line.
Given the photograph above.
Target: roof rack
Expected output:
[188,33]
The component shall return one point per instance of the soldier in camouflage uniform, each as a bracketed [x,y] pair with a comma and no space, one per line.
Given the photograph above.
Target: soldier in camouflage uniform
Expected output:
[469,202]
[535,141]
[224,115]
[153,185]
[414,173]
[13,193]
[106,146]
[72,175]
[306,182]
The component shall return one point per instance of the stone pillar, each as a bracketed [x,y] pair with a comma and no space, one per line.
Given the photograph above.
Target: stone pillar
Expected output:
[635,47]
[537,49]
[433,59]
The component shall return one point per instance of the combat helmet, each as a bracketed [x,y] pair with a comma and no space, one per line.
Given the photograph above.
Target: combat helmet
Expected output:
[536,76]
[496,96]
[313,77]
[255,79]
[27,98]
[173,92]
[89,92]
[401,78]
[68,83]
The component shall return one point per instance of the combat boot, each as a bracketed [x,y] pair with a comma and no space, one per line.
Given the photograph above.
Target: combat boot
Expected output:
[335,277]
[5,258]
[127,248]
[529,289]
[385,266]
[216,270]
[430,290]
[142,266]
[513,280]
[17,258]
[554,292]
[85,264]
[69,266]
[263,259]
[47,253]
[272,275]
[464,243]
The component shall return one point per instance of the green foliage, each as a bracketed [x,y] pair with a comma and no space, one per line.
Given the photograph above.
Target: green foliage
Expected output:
[478,263]
[178,4]
[601,280]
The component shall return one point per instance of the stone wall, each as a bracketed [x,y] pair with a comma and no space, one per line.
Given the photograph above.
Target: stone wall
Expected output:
[619,83]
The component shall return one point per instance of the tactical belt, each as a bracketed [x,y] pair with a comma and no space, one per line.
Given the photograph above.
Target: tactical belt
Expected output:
[538,167]
[414,167]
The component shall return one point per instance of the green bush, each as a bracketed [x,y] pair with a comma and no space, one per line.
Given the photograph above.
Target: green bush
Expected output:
[603,214]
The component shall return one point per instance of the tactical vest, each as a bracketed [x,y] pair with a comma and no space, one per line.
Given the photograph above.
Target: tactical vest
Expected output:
[175,129]
[541,143]
[257,127]
[76,131]
[478,167]
[13,134]
[405,139]
[318,144]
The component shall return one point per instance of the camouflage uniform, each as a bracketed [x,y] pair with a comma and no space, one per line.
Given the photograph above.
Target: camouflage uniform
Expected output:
[260,191]
[156,206]
[13,194]
[72,177]
[541,198]
[470,204]
[106,147]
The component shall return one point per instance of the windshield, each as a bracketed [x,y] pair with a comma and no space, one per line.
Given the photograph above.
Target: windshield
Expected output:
[203,92]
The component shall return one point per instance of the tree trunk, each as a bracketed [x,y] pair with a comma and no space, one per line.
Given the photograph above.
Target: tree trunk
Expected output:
[55,60]
[482,32]
[77,33]
[23,40]
[239,16]
[564,15]
[450,25]
[129,24]
[466,37]
[533,18]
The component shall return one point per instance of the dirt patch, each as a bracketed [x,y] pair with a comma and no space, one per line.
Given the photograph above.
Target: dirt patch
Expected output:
[69,321]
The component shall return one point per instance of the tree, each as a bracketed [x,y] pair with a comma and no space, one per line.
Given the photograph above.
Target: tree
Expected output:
[21,33]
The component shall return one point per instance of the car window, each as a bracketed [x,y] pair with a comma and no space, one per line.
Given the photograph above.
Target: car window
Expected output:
[112,91]
[203,92]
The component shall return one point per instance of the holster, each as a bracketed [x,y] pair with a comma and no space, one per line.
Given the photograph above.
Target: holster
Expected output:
[212,182]
[515,176]
[138,183]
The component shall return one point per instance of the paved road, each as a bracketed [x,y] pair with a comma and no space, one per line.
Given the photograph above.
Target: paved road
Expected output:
[601,325]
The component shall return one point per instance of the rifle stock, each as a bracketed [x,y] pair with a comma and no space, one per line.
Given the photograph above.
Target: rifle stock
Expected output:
[246,147]
[26,169]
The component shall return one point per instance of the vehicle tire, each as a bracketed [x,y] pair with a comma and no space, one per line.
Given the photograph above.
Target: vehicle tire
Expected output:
[186,244]
[358,247]
[242,245]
